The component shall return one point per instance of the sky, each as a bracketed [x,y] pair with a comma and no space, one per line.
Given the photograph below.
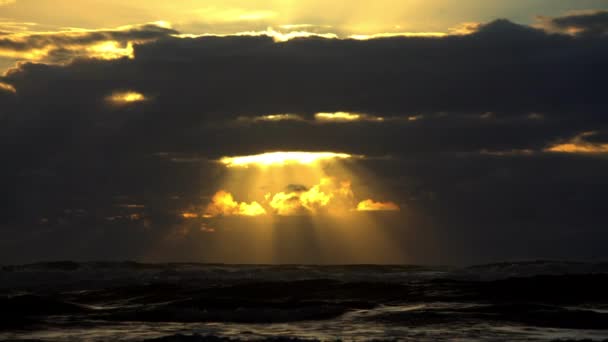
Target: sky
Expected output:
[342,132]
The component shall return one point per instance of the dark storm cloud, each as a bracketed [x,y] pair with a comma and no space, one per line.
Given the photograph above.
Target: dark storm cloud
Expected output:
[587,23]
[507,70]
[504,88]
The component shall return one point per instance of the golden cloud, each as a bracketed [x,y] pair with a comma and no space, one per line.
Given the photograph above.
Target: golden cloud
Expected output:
[330,196]
[370,205]
[465,28]
[324,118]
[22,44]
[110,50]
[223,204]
[287,33]
[277,35]
[461,29]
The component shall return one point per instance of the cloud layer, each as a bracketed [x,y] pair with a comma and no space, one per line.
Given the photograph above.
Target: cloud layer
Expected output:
[473,137]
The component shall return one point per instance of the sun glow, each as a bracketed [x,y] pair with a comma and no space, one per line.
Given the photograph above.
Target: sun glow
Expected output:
[338,116]
[110,50]
[330,197]
[127,97]
[341,117]
[282,204]
[282,158]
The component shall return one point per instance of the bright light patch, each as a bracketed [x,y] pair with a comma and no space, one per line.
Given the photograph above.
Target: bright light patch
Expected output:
[338,116]
[346,117]
[282,158]
[334,202]
[189,216]
[370,205]
[127,97]
[280,117]
[579,148]
[7,87]
[271,118]
[223,204]
[110,50]
[162,23]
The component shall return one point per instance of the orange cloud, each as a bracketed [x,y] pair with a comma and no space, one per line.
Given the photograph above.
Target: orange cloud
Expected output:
[223,204]
[370,205]
[579,145]
[579,148]
[188,215]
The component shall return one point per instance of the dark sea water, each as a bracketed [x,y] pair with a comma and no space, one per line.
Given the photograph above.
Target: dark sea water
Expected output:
[530,301]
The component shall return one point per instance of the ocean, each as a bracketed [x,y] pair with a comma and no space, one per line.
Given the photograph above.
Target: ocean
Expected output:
[129,301]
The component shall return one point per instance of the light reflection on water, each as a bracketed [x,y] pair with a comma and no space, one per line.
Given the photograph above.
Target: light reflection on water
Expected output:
[352,326]
[416,310]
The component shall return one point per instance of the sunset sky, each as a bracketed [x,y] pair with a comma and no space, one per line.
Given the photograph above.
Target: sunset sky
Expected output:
[423,132]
